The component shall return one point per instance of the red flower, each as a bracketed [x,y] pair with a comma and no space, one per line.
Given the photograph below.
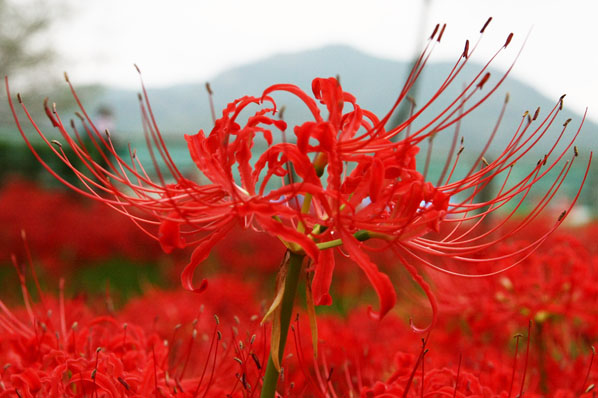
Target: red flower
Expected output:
[173,347]
[344,179]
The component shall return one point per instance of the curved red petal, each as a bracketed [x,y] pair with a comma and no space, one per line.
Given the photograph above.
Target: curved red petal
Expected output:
[169,235]
[380,281]
[200,253]
[289,234]
[320,285]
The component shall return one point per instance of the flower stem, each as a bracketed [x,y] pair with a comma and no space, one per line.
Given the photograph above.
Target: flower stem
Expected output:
[286,310]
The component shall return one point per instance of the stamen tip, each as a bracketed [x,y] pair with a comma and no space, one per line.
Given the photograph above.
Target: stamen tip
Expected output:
[486,25]
[466,49]
[434,31]
[562,215]
[441,33]
[66,77]
[484,80]
[509,38]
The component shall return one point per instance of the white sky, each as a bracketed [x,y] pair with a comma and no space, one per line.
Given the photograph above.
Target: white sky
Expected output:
[191,40]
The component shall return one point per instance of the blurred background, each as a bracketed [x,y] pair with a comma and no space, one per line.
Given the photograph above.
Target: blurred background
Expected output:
[242,47]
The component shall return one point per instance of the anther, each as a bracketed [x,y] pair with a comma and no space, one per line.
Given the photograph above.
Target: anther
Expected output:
[256,360]
[507,97]
[561,102]
[19,98]
[485,161]
[238,360]
[281,112]
[217,319]
[434,32]
[57,143]
[441,33]
[466,49]
[485,25]
[107,132]
[209,88]
[219,335]
[563,214]
[536,113]
[460,150]
[66,77]
[566,122]
[484,80]
[123,382]
[509,38]
[80,116]
[137,67]
[139,97]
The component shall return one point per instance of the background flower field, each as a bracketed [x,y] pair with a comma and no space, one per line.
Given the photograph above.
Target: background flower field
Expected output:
[530,329]
[431,195]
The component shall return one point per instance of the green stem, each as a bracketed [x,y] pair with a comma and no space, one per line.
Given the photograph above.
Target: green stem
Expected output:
[286,311]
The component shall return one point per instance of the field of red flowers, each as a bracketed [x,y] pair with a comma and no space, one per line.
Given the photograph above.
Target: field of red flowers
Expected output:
[325,264]
[526,332]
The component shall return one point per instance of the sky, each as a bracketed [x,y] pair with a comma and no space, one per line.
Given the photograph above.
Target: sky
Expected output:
[180,41]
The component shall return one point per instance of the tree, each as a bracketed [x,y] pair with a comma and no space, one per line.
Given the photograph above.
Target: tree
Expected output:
[23,47]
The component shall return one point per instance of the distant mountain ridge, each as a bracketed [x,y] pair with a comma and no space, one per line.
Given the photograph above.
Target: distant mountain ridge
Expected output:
[374,81]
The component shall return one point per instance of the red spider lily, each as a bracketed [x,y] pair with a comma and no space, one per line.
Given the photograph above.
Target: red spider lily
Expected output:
[346,179]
